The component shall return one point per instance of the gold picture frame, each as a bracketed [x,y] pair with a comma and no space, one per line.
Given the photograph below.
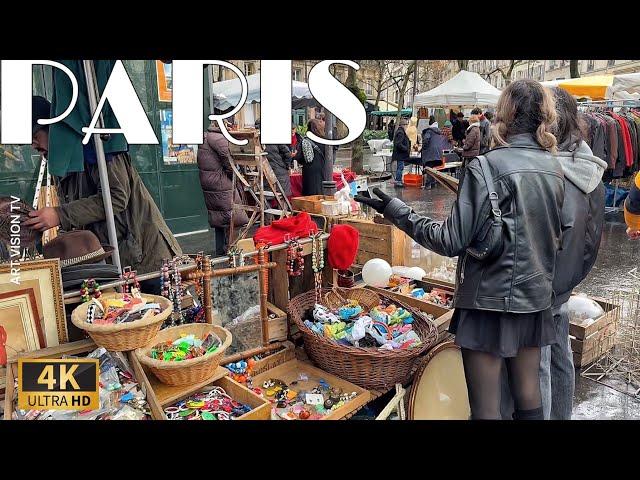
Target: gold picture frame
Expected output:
[45,279]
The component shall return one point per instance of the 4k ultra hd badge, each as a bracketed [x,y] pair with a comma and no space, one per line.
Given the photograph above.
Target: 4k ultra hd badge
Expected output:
[57,384]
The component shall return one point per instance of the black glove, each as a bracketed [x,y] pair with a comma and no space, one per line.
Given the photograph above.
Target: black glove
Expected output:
[377,205]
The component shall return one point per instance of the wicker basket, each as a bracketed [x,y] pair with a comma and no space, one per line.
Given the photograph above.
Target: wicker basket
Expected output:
[366,298]
[119,337]
[366,367]
[186,372]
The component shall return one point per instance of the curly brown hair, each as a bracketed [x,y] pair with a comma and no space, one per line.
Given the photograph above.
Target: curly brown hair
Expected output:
[525,106]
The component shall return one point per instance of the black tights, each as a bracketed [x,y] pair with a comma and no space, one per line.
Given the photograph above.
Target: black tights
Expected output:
[482,371]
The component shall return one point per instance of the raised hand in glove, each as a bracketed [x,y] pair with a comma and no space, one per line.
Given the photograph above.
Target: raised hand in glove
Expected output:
[377,205]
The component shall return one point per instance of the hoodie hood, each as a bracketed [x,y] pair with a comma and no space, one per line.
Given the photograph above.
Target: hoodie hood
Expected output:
[582,167]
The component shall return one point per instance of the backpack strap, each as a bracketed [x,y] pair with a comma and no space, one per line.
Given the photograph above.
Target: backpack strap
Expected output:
[493,195]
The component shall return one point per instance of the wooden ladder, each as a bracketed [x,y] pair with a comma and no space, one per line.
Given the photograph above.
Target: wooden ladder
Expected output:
[260,185]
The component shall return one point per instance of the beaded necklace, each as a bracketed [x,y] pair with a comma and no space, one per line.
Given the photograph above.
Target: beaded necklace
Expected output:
[317,263]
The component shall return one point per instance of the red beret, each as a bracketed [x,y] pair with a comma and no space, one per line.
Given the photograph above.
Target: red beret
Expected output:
[342,246]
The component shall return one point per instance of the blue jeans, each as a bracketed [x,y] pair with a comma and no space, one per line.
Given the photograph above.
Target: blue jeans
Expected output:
[399,170]
[557,375]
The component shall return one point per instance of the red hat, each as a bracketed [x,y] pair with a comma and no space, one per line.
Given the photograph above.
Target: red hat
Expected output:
[300,225]
[342,246]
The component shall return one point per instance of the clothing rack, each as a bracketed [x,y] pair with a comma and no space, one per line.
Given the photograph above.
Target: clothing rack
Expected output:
[611,104]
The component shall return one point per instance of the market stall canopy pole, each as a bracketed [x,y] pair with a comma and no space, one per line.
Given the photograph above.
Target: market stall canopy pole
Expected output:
[466,88]
[92,94]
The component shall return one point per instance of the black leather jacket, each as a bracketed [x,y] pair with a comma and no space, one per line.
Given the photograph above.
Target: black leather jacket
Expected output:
[530,186]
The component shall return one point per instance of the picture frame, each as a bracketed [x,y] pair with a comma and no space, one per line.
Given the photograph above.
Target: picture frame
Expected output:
[44,279]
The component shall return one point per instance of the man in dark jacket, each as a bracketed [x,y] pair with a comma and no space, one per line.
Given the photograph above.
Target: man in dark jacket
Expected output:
[280,159]
[144,239]
[459,129]
[432,141]
[401,150]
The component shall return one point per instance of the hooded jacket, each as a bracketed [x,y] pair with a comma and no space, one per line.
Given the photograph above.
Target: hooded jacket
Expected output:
[432,141]
[582,218]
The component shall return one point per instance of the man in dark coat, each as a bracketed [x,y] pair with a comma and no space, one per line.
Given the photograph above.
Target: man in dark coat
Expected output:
[216,175]
[401,150]
[280,159]
[144,239]
[459,129]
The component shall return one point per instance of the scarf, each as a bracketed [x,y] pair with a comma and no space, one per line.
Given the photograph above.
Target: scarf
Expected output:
[475,124]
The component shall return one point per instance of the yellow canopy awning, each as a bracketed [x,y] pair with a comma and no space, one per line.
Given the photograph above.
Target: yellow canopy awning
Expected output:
[594,87]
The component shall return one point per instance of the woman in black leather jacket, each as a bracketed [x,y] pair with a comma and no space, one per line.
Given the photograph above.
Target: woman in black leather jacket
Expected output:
[503,302]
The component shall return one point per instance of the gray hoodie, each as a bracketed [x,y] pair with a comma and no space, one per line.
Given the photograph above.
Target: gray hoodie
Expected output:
[584,169]
[582,218]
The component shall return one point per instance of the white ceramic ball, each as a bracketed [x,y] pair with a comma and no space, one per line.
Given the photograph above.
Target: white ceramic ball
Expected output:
[376,272]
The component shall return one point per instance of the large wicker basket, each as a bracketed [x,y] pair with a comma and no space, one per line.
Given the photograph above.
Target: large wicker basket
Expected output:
[122,337]
[186,372]
[366,367]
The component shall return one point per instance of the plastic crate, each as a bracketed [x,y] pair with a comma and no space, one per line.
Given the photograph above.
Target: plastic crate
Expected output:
[412,180]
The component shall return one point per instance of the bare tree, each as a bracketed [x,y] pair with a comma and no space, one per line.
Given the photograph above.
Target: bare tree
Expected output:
[400,73]
[574,68]
[431,73]
[506,71]
[357,153]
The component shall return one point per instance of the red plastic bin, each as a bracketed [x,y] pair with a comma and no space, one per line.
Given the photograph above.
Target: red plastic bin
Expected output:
[412,180]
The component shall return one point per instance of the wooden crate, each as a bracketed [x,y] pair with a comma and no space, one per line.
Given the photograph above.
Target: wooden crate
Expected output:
[278,327]
[77,349]
[287,353]
[290,371]
[378,240]
[165,395]
[310,203]
[611,311]
[589,343]
[253,145]
[587,357]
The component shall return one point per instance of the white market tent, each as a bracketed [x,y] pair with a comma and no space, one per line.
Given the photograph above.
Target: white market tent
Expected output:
[625,87]
[466,88]
[227,94]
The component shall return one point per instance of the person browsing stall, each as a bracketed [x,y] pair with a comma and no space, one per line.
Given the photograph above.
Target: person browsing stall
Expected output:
[144,239]
[506,251]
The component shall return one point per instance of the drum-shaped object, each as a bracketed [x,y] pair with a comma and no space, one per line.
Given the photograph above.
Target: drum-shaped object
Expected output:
[439,390]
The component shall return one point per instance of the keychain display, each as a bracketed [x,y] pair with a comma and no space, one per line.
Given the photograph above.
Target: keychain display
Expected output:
[90,289]
[214,404]
[186,348]
[290,402]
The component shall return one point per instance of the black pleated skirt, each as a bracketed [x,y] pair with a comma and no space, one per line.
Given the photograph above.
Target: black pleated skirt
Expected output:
[501,333]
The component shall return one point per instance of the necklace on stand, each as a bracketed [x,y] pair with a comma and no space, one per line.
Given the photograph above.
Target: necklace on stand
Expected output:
[196,313]
[295,259]
[176,282]
[317,263]
[129,276]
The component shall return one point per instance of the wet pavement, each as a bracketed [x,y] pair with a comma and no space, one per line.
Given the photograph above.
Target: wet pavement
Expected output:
[616,257]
